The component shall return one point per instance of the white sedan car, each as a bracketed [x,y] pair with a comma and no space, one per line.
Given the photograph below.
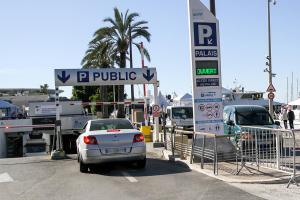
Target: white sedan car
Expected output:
[108,140]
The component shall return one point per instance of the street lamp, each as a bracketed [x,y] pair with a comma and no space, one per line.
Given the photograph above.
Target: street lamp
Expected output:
[269,57]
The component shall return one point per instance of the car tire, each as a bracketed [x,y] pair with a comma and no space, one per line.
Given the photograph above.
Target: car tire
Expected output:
[141,164]
[83,168]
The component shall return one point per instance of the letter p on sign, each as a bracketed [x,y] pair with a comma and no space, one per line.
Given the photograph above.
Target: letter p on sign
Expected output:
[205,34]
[83,76]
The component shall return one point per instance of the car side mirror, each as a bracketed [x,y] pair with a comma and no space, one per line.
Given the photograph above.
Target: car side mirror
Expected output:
[277,123]
[230,123]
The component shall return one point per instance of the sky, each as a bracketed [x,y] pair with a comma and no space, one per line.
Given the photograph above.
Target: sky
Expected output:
[40,36]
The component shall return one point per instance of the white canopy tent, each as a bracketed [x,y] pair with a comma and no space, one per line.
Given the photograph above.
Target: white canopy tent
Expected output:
[185,100]
[295,103]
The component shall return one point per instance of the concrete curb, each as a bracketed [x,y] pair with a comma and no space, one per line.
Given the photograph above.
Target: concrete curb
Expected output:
[167,154]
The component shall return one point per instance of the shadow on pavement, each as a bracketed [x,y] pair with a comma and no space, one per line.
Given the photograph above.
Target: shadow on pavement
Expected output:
[34,160]
[154,167]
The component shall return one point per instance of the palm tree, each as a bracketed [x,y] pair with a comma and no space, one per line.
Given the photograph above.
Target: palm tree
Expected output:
[116,36]
[44,88]
[100,55]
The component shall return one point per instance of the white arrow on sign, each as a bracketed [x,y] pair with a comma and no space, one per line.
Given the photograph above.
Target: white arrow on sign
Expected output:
[5,177]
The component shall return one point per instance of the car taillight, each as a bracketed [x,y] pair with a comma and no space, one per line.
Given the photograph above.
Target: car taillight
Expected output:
[138,138]
[90,140]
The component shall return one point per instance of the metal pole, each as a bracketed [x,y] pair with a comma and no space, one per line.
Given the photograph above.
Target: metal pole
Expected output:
[57,118]
[144,87]
[156,121]
[270,57]
[131,64]
[287,90]
[213,7]
[297,95]
[292,87]
[114,98]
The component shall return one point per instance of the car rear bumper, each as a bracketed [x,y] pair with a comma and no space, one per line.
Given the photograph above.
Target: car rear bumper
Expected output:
[94,156]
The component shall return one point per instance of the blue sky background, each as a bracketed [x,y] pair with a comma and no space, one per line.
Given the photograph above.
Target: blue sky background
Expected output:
[39,36]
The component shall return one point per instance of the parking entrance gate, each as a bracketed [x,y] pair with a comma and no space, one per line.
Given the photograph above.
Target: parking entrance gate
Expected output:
[98,77]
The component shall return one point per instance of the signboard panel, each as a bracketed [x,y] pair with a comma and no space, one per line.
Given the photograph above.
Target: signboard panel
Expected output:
[123,76]
[46,109]
[206,69]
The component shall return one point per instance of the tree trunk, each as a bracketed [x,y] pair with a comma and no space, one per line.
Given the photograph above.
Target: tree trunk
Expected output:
[121,113]
[104,98]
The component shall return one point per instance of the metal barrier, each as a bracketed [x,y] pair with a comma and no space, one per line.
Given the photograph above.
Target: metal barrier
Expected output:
[210,147]
[179,141]
[262,147]
[270,148]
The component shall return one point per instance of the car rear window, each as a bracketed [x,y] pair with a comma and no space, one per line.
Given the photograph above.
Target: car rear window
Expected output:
[110,124]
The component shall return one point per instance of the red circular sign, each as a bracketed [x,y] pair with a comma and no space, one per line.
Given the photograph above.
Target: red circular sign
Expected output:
[271,95]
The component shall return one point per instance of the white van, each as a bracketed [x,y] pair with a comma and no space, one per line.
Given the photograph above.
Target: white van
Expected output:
[180,116]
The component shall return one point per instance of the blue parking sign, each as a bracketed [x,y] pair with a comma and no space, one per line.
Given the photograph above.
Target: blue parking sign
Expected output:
[205,34]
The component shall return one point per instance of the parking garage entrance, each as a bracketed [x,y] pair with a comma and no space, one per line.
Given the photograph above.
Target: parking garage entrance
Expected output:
[100,77]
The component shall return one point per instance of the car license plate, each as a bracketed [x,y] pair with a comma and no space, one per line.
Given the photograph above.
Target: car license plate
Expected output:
[115,150]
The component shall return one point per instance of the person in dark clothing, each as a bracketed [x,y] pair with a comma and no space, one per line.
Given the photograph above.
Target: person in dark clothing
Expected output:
[291,117]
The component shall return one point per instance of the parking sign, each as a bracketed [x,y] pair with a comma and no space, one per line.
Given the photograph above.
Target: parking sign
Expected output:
[205,34]
[206,69]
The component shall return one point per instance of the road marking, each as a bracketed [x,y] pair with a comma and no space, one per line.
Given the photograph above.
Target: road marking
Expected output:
[129,178]
[5,177]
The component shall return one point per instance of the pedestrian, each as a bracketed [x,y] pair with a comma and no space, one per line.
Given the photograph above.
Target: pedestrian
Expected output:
[284,117]
[291,117]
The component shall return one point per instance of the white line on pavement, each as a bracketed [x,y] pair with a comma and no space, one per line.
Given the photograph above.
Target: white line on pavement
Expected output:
[5,177]
[129,178]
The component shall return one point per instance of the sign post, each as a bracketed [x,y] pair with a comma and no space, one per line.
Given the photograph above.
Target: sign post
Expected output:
[206,69]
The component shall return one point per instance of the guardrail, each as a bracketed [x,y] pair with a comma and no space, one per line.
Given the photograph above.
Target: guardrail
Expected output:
[179,141]
[271,148]
[275,149]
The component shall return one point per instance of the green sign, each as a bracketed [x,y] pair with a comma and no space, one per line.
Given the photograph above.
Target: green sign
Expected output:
[207,68]
[207,71]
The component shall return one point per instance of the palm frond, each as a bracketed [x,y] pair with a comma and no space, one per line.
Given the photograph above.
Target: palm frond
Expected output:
[146,53]
[141,33]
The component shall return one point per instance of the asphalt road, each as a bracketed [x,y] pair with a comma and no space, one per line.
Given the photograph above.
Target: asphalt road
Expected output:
[40,178]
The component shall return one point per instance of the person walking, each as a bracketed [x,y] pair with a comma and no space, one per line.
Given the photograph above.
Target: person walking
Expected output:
[284,117]
[291,117]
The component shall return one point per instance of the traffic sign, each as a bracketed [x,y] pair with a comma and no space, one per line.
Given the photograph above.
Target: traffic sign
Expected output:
[271,95]
[271,88]
[155,108]
[72,77]
[205,34]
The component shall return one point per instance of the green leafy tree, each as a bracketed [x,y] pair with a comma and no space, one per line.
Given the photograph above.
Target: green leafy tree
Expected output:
[99,55]
[117,37]
[44,88]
